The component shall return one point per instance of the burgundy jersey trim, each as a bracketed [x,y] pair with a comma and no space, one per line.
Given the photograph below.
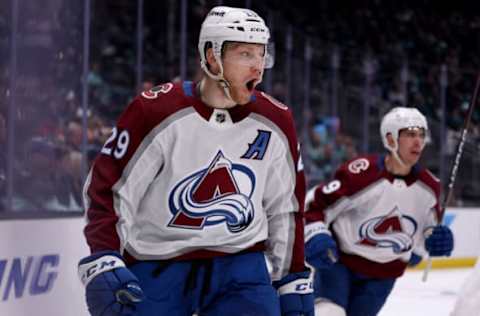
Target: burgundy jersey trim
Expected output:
[392,269]
[198,254]
[359,181]
[434,184]
[283,118]
[140,117]
[237,113]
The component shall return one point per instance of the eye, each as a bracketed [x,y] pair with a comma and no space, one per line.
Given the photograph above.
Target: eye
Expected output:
[245,54]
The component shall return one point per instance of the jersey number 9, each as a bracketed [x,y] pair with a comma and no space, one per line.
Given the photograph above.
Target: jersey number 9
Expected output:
[330,187]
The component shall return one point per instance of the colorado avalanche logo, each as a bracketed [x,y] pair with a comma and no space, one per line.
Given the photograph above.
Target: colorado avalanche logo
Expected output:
[394,230]
[155,91]
[358,165]
[220,193]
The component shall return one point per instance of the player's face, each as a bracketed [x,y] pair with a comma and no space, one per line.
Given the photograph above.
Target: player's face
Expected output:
[243,65]
[410,144]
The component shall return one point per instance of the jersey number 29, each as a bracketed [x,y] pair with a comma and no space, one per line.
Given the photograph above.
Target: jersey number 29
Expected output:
[118,148]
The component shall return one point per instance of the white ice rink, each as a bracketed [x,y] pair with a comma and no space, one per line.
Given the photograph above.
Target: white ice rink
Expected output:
[436,297]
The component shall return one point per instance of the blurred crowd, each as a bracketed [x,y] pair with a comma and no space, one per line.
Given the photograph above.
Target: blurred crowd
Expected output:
[423,35]
[404,45]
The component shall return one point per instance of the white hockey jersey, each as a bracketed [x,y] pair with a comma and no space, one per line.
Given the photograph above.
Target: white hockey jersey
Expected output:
[180,180]
[377,218]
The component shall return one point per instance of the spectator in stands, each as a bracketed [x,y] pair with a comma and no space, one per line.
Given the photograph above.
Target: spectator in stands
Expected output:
[319,153]
[73,135]
[70,178]
[35,188]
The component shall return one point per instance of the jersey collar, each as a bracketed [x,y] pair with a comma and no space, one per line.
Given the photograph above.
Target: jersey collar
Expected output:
[409,178]
[237,113]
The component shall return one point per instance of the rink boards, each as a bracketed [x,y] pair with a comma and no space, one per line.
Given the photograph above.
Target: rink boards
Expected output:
[38,261]
[465,224]
[38,267]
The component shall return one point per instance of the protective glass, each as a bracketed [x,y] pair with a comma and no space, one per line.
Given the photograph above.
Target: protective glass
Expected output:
[270,56]
[413,131]
[251,58]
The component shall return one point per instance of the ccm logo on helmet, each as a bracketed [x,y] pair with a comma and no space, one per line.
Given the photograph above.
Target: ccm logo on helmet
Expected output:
[257,29]
[217,13]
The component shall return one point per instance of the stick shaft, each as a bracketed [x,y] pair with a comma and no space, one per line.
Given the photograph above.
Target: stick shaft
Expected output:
[456,162]
[454,168]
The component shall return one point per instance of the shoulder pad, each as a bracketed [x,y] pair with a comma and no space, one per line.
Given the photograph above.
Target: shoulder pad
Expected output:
[274,101]
[432,175]
[430,180]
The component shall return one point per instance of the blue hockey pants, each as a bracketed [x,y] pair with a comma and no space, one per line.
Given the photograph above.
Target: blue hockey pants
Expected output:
[235,285]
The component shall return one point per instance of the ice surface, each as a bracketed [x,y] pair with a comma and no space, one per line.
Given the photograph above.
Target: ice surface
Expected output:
[413,297]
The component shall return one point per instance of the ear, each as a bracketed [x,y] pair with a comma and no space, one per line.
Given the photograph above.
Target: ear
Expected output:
[390,140]
[212,62]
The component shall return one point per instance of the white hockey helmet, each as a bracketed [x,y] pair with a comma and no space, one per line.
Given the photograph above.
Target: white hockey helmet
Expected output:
[397,119]
[227,24]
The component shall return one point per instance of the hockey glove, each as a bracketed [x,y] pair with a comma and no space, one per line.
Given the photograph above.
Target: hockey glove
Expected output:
[111,289]
[414,260]
[296,294]
[440,242]
[320,248]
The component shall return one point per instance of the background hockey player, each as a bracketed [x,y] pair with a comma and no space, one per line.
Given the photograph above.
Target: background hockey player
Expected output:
[468,301]
[377,210]
[198,193]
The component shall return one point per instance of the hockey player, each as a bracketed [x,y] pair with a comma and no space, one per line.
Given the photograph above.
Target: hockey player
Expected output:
[376,210]
[468,301]
[195,204]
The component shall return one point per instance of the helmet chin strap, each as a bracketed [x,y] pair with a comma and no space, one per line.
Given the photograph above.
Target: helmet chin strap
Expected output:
[397,157]
[220,78]
[224,84]
[226,88]
[394,152]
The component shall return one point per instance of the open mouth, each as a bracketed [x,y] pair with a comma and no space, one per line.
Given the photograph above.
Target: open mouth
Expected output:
[250,85]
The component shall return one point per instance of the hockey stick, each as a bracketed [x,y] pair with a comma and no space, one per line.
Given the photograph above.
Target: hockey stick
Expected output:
[453,170]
